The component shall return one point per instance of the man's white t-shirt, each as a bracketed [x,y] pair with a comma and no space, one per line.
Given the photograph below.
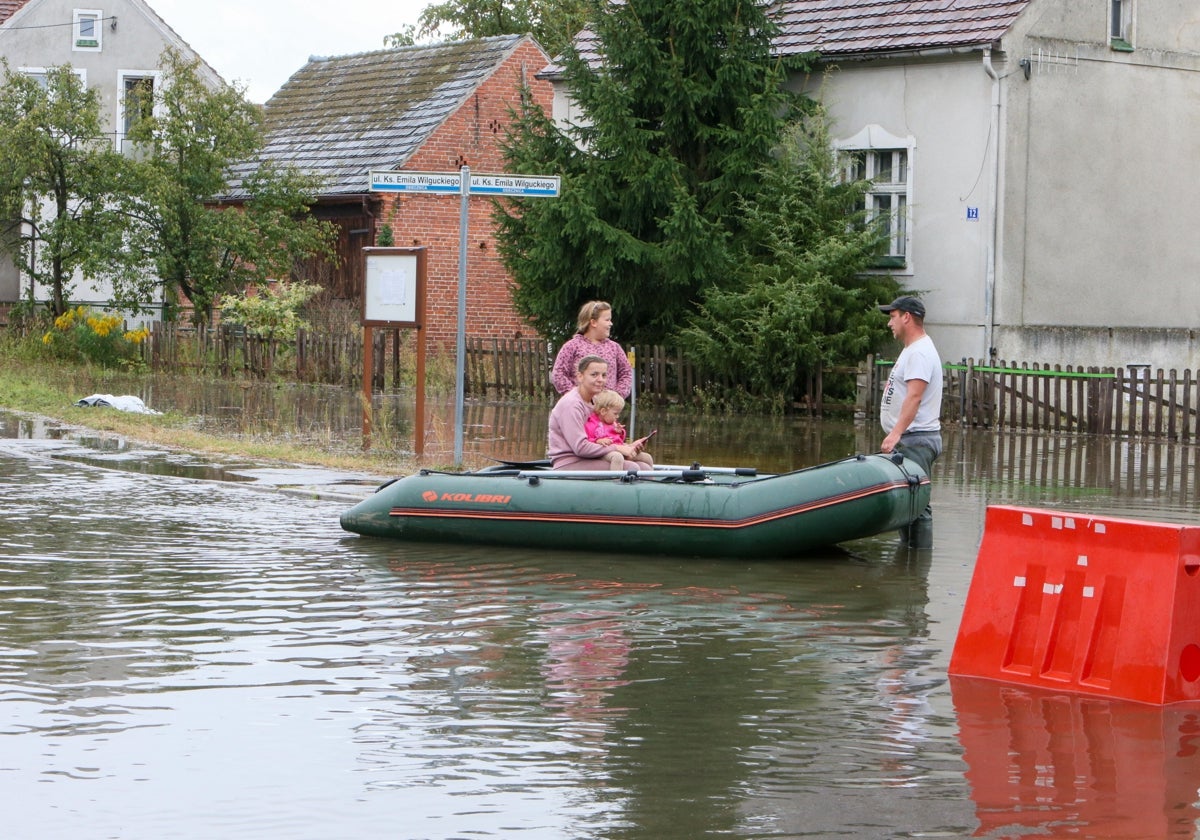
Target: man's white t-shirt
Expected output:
[918,360]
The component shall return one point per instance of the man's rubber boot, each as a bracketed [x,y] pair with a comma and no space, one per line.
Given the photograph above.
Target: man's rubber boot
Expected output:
[920,534]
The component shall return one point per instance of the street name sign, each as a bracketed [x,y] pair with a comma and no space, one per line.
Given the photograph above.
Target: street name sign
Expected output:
[541,186]
[450,183]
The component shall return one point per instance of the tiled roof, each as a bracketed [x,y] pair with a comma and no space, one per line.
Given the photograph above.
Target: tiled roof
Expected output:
[342,117]
[8,8]
[855,27]
[847,28]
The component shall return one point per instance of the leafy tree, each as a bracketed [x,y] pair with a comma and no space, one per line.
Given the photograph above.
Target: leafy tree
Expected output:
[406,37]
[59,177]
[552,22]
[800,299]
[678,120]
[194,137]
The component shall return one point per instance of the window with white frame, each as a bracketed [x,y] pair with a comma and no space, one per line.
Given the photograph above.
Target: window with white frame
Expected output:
[886,161]
[42,75]
[39,75]
[86,30]
[1120,24]
[136,101]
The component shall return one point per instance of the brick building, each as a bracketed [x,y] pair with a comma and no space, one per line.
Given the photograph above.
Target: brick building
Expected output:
[418,109]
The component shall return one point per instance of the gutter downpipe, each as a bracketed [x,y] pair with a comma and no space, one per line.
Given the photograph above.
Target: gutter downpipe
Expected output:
[989,302]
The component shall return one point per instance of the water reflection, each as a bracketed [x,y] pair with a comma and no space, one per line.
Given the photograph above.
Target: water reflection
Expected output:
[1042,764]
[331,416]
[1128,475]
[54,440]
[1050,469]
[692,696]
[197,659]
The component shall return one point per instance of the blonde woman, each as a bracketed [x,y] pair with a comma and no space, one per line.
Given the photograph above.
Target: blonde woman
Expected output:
[568,446]
[592,339]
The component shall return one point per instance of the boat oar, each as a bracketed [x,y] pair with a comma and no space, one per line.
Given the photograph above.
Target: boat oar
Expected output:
[629,475]
[749,471]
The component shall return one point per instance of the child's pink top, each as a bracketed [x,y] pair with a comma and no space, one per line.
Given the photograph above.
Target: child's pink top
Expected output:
[597,428]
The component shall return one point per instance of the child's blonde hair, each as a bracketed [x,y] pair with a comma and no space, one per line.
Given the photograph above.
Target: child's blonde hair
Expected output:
[608,399]
[589,312]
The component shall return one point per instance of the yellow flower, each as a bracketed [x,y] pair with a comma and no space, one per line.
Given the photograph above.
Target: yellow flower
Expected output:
[67,320]
[47,338]
[102,325]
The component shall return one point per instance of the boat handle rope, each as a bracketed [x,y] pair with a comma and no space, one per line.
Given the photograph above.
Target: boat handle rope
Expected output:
[914,482]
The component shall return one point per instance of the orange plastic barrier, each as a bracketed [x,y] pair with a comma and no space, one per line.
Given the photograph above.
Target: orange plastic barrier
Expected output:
[1087,604]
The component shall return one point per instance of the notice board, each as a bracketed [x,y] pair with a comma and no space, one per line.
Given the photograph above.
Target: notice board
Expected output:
[394,287]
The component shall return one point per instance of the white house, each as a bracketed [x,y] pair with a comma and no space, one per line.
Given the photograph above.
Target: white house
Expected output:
[1041,154]
[114,46]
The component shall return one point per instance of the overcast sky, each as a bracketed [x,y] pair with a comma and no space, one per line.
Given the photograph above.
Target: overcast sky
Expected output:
[262,42]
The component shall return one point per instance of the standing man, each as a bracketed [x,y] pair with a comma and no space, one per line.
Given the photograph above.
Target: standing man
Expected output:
[911,409]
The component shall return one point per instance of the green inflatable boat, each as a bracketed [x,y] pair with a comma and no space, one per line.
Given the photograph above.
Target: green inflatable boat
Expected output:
[686,511]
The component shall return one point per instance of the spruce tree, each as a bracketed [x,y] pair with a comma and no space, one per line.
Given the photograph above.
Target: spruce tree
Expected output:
[676,116]
[802,298]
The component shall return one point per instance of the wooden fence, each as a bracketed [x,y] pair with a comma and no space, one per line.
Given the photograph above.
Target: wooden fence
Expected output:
[509,367]
[996,395]
[493,368]
[334,359]
[662,375]
[523,366]
[1091,400]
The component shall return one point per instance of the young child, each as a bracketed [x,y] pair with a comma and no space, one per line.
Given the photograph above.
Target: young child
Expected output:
[604,428]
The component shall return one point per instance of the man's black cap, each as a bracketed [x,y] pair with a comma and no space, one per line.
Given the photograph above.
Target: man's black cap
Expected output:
[906,303]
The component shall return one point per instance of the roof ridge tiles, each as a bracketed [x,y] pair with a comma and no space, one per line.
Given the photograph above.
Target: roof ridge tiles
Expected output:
[386,52]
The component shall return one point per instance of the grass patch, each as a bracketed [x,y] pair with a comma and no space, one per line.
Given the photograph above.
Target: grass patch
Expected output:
[30,384]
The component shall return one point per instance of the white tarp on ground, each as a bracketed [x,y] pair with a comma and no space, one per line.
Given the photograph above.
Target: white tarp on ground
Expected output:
[122,403]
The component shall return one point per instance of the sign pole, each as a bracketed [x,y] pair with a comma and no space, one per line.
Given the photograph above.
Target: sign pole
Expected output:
[460,363]
[419,420]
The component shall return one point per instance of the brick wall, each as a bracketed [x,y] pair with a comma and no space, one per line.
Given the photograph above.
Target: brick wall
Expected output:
[470,137]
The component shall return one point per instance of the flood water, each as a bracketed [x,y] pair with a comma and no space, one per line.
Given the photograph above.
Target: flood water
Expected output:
[183,656]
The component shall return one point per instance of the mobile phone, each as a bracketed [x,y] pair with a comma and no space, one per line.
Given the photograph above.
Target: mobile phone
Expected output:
[644,440]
